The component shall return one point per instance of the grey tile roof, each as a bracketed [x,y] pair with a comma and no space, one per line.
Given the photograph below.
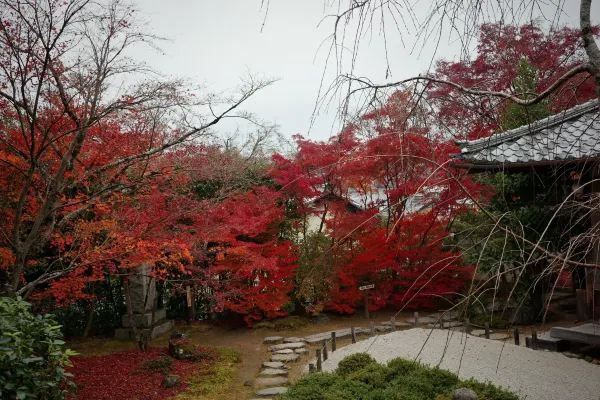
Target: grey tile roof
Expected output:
[569,135]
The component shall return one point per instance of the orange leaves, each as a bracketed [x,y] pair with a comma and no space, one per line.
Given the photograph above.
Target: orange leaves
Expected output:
[7,258]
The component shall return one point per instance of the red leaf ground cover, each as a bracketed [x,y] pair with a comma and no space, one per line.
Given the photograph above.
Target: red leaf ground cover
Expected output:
[122,376]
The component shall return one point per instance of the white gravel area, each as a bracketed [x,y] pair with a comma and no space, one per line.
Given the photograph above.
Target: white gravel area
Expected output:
[533,375]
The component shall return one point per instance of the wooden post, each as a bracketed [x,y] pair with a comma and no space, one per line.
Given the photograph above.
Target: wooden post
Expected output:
[516,336]
[372,327]
[416,314]
[333,343]
[353,334]
[311,368]
[393,323]
[467,326]
[319,367]
[325,355]
[487,330]
[582,308]
[367,316]
[534,339]
[188,302]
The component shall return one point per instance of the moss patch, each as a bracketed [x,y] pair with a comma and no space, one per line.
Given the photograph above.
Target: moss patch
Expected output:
[216,382]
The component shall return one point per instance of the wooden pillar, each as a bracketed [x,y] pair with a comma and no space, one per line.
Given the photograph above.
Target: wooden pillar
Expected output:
[325,355]
[534,340]
[319,366]
[516,336]
[416,315]
[582,305]
[353,334]
[333,342]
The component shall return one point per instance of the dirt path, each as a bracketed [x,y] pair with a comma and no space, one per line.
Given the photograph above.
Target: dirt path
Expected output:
[248,342]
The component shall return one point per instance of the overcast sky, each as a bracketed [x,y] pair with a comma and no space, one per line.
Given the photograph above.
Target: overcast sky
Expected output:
[215,42]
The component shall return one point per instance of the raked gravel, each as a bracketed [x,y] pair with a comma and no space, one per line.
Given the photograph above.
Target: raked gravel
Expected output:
[533,375]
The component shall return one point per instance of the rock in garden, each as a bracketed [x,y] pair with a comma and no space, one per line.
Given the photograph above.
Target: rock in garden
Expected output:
[273,364]
[272,391]
[294,345]
[302,350]
[271,381]
[284,351]
[273,339]
[170,381]
[464,394]
[293,340]
[273,372]
[499,336]
[284,357]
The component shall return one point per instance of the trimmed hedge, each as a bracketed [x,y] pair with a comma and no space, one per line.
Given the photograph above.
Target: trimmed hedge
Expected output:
[359,377]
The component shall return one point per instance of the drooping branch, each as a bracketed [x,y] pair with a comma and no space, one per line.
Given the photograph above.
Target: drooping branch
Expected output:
[366,84]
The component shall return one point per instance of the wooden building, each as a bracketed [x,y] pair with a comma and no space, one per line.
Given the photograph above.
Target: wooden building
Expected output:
[566,146]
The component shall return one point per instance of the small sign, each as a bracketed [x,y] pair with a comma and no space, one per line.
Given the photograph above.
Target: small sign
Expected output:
[367,287]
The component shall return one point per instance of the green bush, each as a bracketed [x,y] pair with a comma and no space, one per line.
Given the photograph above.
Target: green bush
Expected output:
[359,377]
[373,374]
[32,354]
[354,363]
[313,386]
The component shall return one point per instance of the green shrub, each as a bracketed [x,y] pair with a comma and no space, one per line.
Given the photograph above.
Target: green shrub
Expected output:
[487,391]
[354,363]
[32,354]
[400,366]
[359,377]
[313,386]
[372,374]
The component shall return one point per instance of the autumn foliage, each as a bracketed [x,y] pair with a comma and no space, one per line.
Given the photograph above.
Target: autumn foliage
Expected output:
[130,375]
[384,199]
[494,67]
[93,187]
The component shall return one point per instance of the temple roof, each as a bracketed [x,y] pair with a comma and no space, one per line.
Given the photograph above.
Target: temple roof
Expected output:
[570,135]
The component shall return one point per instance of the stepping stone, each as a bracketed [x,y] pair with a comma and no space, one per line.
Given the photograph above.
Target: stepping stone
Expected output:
[284,351]
[284,357]
[273,364]
[479,332]
[272,391]
[447,324]
[399,324]
[499,336]
[273,372]
[303,350]
[427,320]
[383,328]
[293,340]
[273,339]
[295,345]
[271,381]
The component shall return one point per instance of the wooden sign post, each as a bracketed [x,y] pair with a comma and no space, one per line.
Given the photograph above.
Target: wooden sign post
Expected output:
[365,289]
